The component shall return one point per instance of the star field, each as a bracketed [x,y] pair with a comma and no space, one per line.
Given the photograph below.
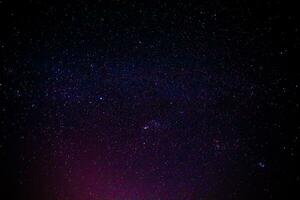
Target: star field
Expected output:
[146,100]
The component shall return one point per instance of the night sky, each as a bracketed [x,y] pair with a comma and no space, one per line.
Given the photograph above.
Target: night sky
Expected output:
[149,100]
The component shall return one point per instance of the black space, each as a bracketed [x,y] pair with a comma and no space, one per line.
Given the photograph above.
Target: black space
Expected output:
[109,100]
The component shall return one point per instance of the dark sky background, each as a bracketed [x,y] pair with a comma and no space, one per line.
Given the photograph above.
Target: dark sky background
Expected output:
[149,100]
